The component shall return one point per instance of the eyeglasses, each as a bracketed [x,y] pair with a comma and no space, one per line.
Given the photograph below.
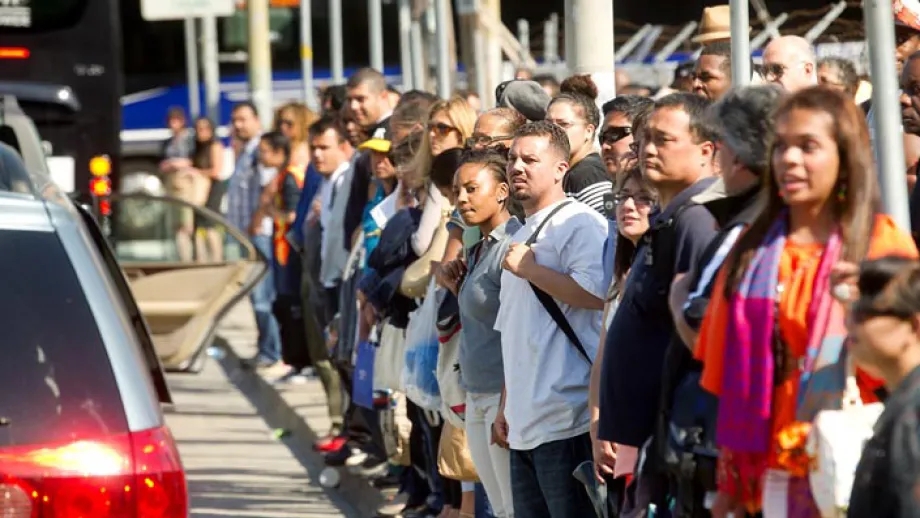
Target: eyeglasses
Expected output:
[485,140]
[564,124]
[642,200]
[440,129]
[286,122]
[614,134]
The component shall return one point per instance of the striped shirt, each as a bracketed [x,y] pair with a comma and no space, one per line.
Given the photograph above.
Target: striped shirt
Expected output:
[588,182]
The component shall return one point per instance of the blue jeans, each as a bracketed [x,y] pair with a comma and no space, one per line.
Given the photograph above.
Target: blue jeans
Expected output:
[262,298]
[483,507]
[542,484]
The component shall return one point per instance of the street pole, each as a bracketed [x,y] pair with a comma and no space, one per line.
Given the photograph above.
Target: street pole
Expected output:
[260,59]
[441,12]
[375,31]
[889,146]
[335,42]
[191,68]
[479,60]
[741,43]
[405,44]
[211,68]
[306,54]
[592,50]
[419,65]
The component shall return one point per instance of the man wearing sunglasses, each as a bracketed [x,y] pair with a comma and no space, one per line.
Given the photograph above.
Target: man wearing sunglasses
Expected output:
[616,132]
[790,62]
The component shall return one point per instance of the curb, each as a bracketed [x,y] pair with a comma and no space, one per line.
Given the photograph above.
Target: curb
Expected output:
[354,493]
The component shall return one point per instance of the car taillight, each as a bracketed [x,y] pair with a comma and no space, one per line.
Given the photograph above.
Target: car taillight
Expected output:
[130,475]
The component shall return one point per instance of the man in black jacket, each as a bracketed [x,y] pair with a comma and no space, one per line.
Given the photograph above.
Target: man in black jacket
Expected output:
[745,126]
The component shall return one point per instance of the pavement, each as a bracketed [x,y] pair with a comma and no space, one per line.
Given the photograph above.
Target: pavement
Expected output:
[227,422]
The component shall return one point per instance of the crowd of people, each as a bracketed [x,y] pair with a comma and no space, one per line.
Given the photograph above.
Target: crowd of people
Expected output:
[681,292]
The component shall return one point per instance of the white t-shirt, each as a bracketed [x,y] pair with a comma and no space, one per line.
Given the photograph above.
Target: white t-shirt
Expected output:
[546,378]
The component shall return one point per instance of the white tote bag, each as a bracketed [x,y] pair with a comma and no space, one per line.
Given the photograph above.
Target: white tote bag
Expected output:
[388,362]
[835,443]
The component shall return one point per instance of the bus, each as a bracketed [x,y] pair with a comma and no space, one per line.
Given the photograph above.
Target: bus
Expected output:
[61,59]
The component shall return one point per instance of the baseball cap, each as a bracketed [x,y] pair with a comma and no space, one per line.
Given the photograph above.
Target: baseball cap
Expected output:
[380,141]
[525,96]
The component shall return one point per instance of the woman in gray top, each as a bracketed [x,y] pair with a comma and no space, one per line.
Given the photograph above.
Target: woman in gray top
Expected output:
[482,192]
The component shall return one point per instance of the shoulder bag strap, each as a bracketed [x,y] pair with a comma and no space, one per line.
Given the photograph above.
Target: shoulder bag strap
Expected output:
[547,300]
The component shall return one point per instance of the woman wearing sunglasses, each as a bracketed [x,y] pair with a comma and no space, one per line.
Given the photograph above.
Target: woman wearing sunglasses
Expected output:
[884,327]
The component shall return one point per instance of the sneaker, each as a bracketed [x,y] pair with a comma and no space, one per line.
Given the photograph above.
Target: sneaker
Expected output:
[357,458]
[292,377]
[338,458]
[394,507]
[371,467]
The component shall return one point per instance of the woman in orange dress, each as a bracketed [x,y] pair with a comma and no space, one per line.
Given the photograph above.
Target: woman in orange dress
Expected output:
[772,339]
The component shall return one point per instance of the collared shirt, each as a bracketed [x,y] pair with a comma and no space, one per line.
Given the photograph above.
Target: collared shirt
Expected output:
[245,188]
[334,197]
[546,377]
[481,370]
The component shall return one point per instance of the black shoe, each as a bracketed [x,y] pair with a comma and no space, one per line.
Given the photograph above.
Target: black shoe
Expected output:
[338,458]
[372,467]
[390,480]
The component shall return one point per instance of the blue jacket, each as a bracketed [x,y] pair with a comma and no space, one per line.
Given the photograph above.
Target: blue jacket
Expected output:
[311,185]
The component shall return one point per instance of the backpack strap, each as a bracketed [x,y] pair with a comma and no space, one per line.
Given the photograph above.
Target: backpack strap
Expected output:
[547,300]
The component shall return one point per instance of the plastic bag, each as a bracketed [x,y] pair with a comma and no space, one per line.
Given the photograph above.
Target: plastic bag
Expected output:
[421,357]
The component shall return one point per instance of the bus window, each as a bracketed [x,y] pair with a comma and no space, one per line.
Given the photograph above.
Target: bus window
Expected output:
[41,15]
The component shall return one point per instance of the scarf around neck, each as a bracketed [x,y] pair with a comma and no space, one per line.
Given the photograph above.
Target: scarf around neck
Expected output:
[746,401]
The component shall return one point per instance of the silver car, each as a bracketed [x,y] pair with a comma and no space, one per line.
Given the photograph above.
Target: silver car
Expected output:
[81,427]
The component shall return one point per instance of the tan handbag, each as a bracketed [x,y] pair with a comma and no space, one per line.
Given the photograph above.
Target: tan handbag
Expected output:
[414,282]
[454,461]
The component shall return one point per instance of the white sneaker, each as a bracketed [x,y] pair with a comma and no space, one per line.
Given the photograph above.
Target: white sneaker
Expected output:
[292,377]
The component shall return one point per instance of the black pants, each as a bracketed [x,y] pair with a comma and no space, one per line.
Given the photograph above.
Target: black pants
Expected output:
[288,312]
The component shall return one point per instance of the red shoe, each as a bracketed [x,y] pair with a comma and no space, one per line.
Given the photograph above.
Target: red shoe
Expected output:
[330,444]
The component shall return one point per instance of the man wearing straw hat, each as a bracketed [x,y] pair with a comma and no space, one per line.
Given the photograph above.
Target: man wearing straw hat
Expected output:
[715,25]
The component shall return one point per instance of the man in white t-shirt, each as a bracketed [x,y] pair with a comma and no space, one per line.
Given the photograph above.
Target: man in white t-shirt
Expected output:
[544,415]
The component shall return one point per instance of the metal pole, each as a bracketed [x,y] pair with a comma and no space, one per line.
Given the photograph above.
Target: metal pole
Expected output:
[211,68]
[630,45]
[441,34]
[889,146]
[826,21]
[306,54]
[419,65]
[405,44]
[337,61]
[260,59]
[523,34]
[551,40]
[568,20]
[761,38]
[593,41]
[191,68]
[675,43]
[741,43]
[375,31]
[479,59]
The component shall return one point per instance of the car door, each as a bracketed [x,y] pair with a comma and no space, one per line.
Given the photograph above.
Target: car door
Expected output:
[182,298]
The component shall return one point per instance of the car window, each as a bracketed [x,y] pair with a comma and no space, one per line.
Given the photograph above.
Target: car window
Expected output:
[56,382]
[13,174]
[141,332]
[150,230]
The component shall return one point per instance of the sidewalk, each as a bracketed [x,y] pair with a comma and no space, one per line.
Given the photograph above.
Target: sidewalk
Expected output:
[234,465]
[299,409]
